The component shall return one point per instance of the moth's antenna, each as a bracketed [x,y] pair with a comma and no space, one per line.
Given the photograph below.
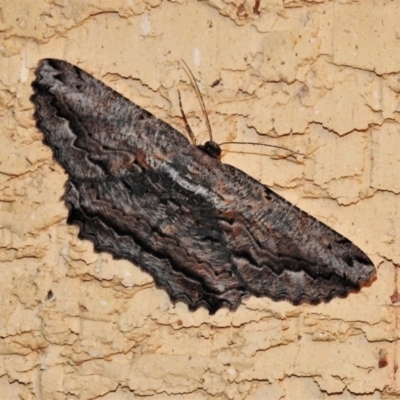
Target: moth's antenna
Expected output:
[203,107]
[188,128]
[264,144]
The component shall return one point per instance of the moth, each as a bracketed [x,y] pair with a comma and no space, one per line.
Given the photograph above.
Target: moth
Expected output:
[209,234]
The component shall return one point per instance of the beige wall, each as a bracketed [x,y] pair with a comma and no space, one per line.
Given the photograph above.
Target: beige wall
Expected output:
[319,77]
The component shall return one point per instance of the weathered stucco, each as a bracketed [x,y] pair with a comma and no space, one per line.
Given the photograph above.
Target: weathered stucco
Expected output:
[319,77]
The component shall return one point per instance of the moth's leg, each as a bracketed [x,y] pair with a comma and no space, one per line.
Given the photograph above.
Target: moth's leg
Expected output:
[187,126]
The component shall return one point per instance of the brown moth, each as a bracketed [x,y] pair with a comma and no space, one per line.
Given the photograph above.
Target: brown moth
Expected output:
[209,234]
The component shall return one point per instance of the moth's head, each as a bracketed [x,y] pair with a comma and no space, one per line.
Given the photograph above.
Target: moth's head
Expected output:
[211,148]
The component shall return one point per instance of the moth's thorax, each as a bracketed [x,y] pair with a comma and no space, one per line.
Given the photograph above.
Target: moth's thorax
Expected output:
[211,148]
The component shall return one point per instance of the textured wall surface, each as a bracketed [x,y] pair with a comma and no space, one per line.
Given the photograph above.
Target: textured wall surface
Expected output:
[319,77]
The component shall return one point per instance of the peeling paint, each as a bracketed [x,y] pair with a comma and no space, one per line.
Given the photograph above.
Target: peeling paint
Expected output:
[318,77]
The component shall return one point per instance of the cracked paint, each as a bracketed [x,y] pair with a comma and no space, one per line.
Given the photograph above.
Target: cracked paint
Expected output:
[318,77]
